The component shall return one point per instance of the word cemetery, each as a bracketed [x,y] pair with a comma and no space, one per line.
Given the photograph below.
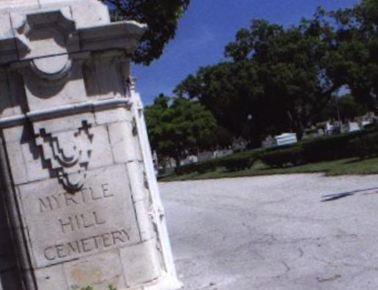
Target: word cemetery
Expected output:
[80,205]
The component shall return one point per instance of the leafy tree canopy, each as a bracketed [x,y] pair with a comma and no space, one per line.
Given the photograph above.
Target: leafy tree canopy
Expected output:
[229,91]
[161,16]
[355,59]
[275,75]
[285,77]
[178,127]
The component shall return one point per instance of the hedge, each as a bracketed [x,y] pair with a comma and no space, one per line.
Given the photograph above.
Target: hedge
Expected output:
[361,144]
[329,148]
[201,167]
[283,157]
[239,161]
[237,164]
[366,145]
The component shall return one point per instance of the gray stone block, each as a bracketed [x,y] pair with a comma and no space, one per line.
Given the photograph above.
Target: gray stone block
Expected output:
[140,263]
[18,134]
[99,271]
[99,217]
[51,278]
[144,216]
[69,123]
[101,154]
[17,163]
[113,116]
[79,208]
[13,4]
[36,169]
[125,144]
[6,31]
[6,108]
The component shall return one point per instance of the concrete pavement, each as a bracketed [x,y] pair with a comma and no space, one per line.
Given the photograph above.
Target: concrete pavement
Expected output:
[274,232]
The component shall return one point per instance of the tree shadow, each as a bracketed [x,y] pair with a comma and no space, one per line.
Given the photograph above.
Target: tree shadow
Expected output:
[335,196]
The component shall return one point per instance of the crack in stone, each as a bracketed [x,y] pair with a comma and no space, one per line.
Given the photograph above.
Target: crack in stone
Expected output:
[328,279]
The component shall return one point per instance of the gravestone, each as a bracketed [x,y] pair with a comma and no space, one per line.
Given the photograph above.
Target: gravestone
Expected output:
[79,204]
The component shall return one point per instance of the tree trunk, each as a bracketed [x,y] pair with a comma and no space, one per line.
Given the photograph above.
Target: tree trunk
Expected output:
[177,160]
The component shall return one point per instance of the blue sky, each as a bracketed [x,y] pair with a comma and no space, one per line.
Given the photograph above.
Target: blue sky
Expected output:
[207,27]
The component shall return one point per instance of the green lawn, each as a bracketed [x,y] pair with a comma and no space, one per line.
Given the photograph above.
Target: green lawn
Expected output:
[351,166]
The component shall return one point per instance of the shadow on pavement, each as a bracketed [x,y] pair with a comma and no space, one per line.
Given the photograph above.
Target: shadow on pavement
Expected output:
[335,196]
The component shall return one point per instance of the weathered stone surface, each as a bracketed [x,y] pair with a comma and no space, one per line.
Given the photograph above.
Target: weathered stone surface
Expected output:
[82,202]
[40,96]
[141,263]
[7,255]
[113,116]
[51,278]
[5,100]
[6,27]
[69,123]
[100,271]
[89,13]
[98,217]
[124,142]
[12,4]
[138,182]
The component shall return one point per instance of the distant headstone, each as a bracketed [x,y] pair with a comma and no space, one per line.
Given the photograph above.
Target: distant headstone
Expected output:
[268,142]
[353,127]
[286,139]
[80,204]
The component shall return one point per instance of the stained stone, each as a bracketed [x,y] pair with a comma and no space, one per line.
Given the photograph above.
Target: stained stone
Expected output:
[79,200]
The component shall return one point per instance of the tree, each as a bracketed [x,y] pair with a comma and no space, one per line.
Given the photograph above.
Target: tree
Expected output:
[286,78]
[161,16]
[178,127]
[371,9]
[344,107]
[227,90]
[276,75]
[292,64]
[355,60]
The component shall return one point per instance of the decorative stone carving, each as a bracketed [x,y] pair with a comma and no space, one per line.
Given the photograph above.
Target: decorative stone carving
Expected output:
[68,154]
[82,201]
[49,33]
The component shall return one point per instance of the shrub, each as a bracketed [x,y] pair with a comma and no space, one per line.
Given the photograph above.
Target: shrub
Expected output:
[366,145]
[236,164]
[201,167]
[238,161]
[363,144]
[372,127]
[186,169]
[283,157]
[329,148]
[207,166]
[341,146]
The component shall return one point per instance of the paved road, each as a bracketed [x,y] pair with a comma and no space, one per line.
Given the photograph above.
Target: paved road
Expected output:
[275,233]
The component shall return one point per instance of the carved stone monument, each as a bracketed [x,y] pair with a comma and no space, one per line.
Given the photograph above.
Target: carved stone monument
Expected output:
[79,200]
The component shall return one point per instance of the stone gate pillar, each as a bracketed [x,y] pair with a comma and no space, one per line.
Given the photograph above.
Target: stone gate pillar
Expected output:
[79,200]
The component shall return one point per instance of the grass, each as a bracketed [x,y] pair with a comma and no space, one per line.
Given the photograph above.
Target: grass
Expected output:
[351,166]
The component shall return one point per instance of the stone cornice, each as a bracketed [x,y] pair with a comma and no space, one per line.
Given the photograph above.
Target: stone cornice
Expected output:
[94,106]
[17,34]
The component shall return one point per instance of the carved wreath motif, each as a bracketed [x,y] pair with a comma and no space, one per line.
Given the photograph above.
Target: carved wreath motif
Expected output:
[67,154]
